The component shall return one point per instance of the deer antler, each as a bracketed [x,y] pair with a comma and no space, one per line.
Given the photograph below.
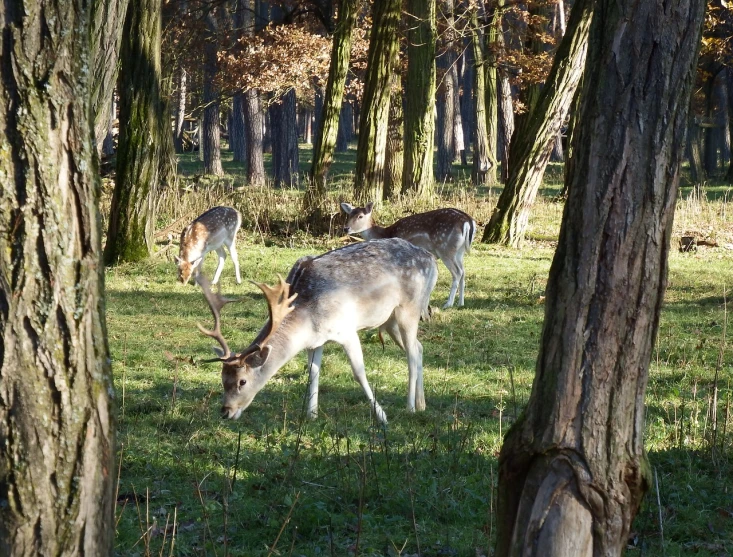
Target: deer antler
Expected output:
[216,302]
[278,303]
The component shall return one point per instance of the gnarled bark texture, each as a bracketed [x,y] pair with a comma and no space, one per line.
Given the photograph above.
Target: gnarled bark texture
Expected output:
[145,141]
[532,144]
[572,470]
[417,172]
[374,109]
[56,424]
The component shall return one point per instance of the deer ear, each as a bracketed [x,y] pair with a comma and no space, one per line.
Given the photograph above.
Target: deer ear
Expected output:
[347,208]
[368,207]
[195,262]
[258,358]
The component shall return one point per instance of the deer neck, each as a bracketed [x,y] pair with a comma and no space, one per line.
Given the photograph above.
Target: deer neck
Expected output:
[285,344]
[375,232]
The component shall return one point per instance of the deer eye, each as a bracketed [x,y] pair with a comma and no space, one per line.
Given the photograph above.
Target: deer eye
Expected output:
[242,382]
[361,216]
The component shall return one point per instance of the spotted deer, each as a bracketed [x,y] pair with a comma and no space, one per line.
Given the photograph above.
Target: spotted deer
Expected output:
[330,297]
[446,233]
[211,231]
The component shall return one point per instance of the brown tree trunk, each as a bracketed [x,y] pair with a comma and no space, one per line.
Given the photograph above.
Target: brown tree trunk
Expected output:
[532,144]
[180,110]
[395,154]
[346,127]
[57,425]
[374,109]
[468,114]
[237,135]
[446,96]
[210,133]
[572,470]
[285,161]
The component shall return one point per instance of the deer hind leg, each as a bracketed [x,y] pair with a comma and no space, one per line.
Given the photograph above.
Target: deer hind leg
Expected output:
[455,266]
[222,256]
[390,326]
[352,347]
[462,287]
[235,259]
[415,389]
[314,373]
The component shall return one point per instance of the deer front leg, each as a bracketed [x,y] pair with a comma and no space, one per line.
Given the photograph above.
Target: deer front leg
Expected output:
[235,260]
[314,373]
[222,256]
[352,347]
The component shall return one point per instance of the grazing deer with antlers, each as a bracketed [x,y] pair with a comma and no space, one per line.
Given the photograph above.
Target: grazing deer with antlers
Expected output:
[385,284]
[446,233]
[211,231]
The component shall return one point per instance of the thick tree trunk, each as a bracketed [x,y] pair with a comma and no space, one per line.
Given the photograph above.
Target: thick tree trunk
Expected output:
[210,134]
[492,94]
[446,96]
[374,109]
[468,112]
[145,138]
[237,135]
[57,426]
[417,172]
[395,154]
[328,127]
[284,123]
[108,18]
[532,145]
[572,470]
[506,123]
[481,158]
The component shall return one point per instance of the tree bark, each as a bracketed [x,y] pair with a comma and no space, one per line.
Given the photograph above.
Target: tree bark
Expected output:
[532,145]
[572,470]
[327,129]
[108,145]
[481,160]
[374,109]
[180,110]
[145,138]
[210,134]
[346,127]
[395,154]
[417,172]
[284,123]
[468,113]
[237,135]
[446,96]
[506,123]
[108,19]
[57,426]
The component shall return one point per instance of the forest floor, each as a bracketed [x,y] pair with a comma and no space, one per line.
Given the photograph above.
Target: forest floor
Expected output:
[273,483]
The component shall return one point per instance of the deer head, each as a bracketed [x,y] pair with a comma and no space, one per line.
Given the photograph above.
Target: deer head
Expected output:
[358,219]
[241,373]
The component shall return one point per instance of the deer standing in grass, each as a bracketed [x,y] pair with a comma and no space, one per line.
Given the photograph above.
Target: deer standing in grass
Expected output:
[211,231]
[385,284]
[446,233]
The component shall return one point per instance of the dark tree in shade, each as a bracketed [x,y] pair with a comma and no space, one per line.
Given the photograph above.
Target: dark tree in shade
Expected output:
[446,97]
[210,133]
[327,130]
[57,426]
[572,470]
[145,138]
[482,160]
[284,129]
[532,144]
[374,110]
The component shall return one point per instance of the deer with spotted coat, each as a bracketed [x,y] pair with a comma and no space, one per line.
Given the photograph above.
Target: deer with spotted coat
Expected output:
[330,297]
[210,231]
[446,233]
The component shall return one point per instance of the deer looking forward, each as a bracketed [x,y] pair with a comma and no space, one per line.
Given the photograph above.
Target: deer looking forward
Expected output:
[446,233]
[385,284]
[211,231]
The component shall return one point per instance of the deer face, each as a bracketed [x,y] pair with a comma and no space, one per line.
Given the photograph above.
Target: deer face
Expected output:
[359,218]
[186,269]
[242,381]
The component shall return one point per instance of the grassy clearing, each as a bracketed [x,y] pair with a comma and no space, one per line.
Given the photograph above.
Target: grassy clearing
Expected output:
[275,484]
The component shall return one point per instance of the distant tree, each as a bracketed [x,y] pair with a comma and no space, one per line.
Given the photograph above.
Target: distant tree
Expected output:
[145,141]
[57,426]
[446,95]
[483,162]
[327,131]
[210,133]
[572,469]
[417,172]
[532,144]
[374,111]
[284,128]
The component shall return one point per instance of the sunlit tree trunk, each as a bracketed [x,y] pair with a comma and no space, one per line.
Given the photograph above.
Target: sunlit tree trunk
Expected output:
[395,154]
[532,144]
[417,172]
[374,109]
[145,139]
[572,470]
[57,426]
[327,130]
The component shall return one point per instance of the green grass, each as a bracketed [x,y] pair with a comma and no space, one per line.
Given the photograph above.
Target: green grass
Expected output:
[323,487]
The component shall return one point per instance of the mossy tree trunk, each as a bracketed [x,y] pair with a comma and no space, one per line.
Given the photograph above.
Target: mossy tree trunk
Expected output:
[572,469]
[57,426]
[374,109]
[395,154]
[145,140]
[492,93]
[481,164]
[417,172]
[108,19]
[446,96]
[327,131]
[532,144]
